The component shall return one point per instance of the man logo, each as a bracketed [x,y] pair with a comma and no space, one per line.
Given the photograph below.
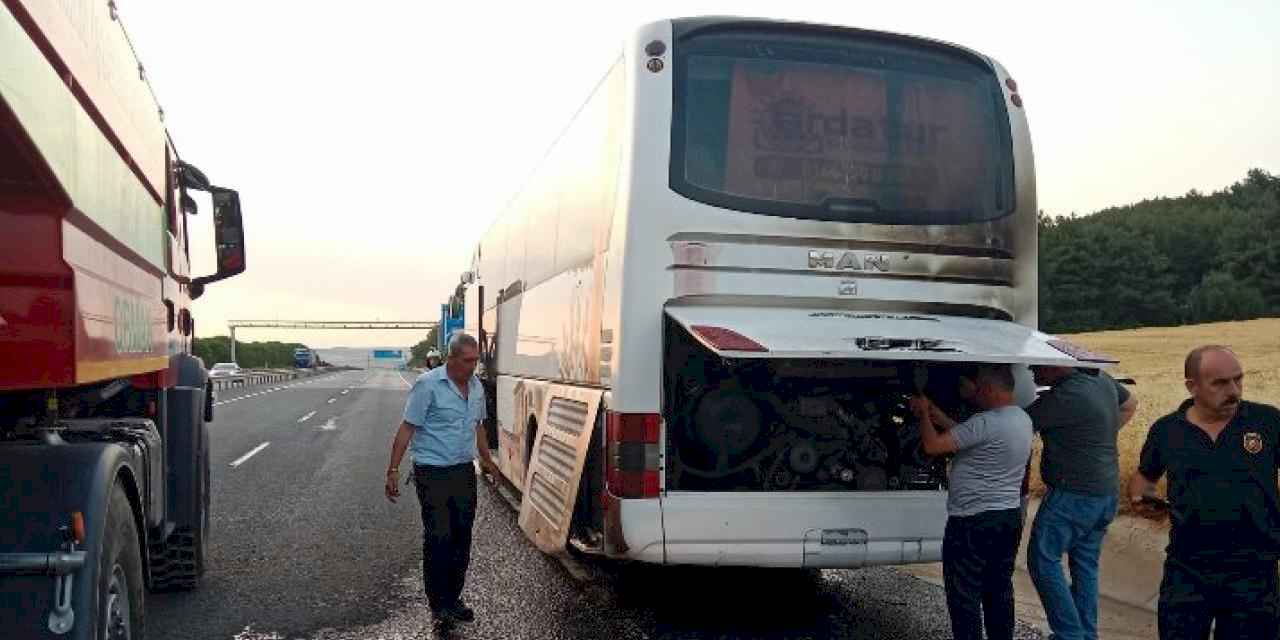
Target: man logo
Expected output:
[1253,442]
[849,261]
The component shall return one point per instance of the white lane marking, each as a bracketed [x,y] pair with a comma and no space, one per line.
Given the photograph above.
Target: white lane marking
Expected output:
[330,425]
[306,417]
[239,461]
[406,382]
[332,400]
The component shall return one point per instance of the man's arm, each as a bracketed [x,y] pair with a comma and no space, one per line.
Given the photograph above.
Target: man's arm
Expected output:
[1141,487]
[1127,409]
[398,446]
[1128,402]
[482,449]
[933,443]
[1150,467]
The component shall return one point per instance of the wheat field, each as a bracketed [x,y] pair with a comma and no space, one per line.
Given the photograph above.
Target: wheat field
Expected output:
[1153,357]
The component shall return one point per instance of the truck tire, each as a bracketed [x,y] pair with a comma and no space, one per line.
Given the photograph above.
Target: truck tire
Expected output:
[180,562]
[121,611]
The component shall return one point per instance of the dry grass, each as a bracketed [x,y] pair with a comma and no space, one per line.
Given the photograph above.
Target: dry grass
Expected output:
[1153,358]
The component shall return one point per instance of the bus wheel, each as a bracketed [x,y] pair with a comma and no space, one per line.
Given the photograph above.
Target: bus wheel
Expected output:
[121,609]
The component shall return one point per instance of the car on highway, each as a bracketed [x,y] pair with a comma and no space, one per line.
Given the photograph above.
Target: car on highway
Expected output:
[225,370]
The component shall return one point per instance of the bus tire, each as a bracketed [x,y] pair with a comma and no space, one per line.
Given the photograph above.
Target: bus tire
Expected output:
[121,611]
[179,562]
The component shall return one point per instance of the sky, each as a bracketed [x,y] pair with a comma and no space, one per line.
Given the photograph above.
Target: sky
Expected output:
[373,142]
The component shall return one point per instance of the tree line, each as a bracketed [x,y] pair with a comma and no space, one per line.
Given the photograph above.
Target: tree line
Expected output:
[1164,261]
[271,355]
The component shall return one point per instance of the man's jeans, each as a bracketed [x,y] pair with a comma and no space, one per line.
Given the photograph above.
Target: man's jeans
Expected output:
[978,553]
[1072,524]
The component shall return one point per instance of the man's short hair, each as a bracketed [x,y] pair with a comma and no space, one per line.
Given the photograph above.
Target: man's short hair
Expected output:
[460,341]
[1191,367]
[999,375]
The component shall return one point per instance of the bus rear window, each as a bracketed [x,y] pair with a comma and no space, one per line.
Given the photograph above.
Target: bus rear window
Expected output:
[841,130]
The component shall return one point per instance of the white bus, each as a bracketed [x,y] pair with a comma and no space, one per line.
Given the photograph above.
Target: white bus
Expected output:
[702,314]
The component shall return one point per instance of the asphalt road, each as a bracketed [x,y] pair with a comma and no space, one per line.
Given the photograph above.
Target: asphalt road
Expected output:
[304,546]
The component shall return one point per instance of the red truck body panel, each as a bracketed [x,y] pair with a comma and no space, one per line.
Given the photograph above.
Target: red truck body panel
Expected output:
[90,238]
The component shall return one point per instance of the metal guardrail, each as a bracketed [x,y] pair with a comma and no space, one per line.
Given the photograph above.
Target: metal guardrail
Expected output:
[254,377]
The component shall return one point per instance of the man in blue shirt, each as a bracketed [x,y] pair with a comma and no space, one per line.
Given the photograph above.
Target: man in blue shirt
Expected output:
[443,422]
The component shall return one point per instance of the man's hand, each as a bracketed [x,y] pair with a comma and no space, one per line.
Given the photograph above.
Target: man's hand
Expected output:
[403,435]
[1144,500]
[933,442]
[1151,507]
[940,418]
[921,407]
[488,467]
[392,487]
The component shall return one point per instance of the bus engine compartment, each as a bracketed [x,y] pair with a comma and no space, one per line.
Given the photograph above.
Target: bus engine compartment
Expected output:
[775,424]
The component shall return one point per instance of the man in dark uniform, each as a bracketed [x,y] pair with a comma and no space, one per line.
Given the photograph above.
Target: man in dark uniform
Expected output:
[1221,455]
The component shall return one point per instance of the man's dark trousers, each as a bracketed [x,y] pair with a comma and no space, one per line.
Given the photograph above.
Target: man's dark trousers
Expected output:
[1238,596]
[978,553]
[448,499]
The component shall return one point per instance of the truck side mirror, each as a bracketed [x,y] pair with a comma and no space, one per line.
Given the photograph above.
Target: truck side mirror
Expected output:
[228,231]
[228,234]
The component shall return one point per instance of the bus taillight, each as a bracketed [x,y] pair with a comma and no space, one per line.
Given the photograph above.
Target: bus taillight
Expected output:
[726,339]
[631,454]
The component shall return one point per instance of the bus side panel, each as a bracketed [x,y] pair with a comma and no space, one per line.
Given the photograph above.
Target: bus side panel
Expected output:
[508,442]
[555,468]
[1026,229]
[633,313]
[520,405]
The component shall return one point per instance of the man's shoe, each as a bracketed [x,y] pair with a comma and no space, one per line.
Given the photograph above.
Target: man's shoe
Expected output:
[444,618]
[461,612]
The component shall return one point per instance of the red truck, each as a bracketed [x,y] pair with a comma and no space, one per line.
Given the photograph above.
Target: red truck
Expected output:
[104,457]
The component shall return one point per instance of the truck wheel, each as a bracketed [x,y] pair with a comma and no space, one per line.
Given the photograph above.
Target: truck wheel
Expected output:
[180,562]
[121,609]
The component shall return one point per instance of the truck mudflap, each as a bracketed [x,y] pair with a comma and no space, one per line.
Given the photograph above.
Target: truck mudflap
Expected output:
[567,416]
[41,486]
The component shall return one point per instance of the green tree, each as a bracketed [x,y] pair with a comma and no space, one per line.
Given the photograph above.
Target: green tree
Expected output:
[1221,296]
[418,352]
[275,355]
[1164,261]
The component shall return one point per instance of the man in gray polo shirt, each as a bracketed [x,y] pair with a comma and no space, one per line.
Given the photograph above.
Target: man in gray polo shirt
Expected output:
[984,523]
[1078,420]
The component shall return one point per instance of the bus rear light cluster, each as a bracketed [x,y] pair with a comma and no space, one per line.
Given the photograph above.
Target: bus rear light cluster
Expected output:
[631,454]
[1013,92]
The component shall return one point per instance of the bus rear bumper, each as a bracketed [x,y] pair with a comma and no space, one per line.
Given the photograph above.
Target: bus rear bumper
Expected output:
[828,530]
